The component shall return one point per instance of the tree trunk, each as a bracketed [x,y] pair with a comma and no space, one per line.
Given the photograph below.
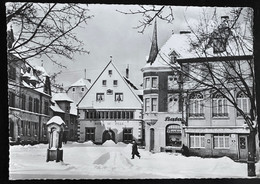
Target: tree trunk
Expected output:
[251,154]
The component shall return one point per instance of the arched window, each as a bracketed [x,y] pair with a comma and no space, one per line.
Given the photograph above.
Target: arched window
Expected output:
[243,103]
[196,105]
[219,105]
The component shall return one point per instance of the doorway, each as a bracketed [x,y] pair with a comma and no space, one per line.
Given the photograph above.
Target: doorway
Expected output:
[151,139]
[108,135]
[242,146]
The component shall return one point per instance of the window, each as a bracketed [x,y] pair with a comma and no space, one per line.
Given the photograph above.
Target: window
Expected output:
[11,99]
[173,82]
[90,134]
[173,135]
[147,105]
[185,72]
[147,83]
[73,89]
[46,107]
[154,104]
[30,104]
[23,101]
[219,104]
[221,141]
[115,82]
[104,82]
[67,108]
[82,89]
[118,97]
[197,140]
[127,135]
[12,72]
[100,97]
[154,82]
[110,72]
[243,103]
[36,105]
[173,103]
[196,106]
[219,44]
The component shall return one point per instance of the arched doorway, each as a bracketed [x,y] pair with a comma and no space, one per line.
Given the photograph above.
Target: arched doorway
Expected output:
[151,139]
[173,135]
[108,135]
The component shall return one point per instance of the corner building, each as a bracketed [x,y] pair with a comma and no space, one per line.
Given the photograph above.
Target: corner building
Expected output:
[176,113]
[110,110]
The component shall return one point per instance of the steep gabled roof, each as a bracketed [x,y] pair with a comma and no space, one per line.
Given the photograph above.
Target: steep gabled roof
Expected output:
[180,44]
[61,97]
[121,78]
[81,82]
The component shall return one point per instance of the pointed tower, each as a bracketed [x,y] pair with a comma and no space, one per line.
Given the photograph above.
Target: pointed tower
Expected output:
[154,46]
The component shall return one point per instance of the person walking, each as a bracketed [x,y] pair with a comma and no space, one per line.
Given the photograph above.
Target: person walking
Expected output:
[134,150]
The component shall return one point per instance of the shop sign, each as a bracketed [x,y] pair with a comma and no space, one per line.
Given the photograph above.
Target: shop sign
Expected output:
[173,119]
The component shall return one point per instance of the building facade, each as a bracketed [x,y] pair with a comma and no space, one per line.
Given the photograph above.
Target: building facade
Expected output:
[29,97]
[177,113]
[77,90]
[64,107]
[110,110]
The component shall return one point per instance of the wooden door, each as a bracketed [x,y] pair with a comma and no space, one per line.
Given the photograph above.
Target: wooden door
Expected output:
[242,146]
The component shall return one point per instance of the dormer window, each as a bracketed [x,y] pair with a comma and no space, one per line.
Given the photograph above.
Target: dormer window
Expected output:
[109,72]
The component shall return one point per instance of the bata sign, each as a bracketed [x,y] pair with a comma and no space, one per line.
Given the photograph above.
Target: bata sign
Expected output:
[173,119]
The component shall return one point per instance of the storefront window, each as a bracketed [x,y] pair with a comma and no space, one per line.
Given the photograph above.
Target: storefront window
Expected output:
[197,140]
[221,141]
[127,135]
[173,135]
[90,134]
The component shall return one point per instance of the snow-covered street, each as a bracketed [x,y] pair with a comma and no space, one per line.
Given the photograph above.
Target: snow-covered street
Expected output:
[113,161]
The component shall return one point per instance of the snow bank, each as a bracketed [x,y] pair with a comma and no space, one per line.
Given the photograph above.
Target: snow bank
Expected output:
[88,143]
[109,143]
[113,160]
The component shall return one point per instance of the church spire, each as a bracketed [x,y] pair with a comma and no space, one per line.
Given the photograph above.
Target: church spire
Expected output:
[154,46]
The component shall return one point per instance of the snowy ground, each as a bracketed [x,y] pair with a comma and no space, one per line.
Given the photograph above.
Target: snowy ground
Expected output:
[113,161]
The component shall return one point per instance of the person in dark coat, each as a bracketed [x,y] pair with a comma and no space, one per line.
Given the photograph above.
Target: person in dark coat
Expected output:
[134,150]
[185,150]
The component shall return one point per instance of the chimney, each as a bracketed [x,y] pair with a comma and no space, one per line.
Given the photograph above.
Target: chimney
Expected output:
[127,72]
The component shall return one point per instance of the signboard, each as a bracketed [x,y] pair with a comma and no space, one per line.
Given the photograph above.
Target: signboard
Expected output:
[174,129]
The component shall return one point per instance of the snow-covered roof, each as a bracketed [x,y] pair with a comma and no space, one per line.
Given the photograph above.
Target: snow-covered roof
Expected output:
[56,107]
[81,82]
[61,97]
[41,70]
[55,119]
[180,44]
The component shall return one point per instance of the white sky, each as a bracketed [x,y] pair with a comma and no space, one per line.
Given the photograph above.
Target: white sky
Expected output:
[110,33]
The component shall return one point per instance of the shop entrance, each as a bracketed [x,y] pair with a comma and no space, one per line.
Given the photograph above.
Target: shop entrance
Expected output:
[108,135]
[173,135]
[151,139]
[242,146]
